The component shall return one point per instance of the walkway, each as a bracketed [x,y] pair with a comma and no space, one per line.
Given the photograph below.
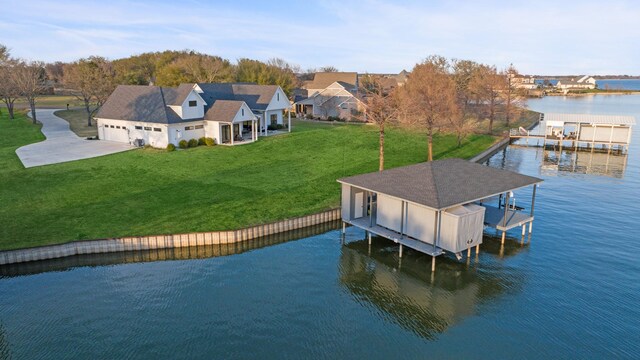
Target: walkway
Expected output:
[62,144]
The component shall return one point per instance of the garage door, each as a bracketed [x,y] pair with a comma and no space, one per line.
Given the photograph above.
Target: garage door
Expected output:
[116,133]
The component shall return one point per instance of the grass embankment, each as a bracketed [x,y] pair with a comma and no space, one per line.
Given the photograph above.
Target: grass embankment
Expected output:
[77,119]
[50,102]
[148,191]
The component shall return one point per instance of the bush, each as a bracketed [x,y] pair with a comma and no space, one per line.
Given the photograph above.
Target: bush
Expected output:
[183,144]
[171,147]
[209,141]
[309,116]
[193,143]
[202,141]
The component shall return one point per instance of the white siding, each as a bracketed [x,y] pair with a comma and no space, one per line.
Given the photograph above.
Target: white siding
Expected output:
[192,112]
[177,132]
[421,222]
[389,212]
[346,202]
[212,130]
[157,139]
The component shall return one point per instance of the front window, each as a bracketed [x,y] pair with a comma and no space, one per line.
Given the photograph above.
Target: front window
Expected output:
[199,126]
[157,129]
[193,103]
[148,128]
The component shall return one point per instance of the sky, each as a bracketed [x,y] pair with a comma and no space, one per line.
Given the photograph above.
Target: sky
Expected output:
[538,37]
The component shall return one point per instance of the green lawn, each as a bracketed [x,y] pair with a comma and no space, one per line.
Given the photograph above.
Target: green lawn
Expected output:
[77,119]
[51,102]
[148,191]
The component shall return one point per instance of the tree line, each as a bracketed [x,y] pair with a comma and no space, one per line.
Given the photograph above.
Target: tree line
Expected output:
[442,94]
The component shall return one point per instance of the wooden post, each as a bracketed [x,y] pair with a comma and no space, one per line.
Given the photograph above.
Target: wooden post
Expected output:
[433,263]
[369,236]
[524,228]
[232,133]
[400,253]
[468,253]
[344,227]
[477,249]
[504,235]
[530,227]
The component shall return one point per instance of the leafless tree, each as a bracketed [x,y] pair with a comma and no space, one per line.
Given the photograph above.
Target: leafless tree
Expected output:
[328,69]
[429,97]
[8,89]
[515,99]
[92,81]
[381,108]
[29,78]
[487,86]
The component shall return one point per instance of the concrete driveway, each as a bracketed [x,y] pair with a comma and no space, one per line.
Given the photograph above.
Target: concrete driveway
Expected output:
[62,144]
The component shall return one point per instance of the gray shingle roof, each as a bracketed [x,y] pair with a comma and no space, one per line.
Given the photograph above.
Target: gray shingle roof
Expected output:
[323,79]
[223,110]
[138,103]
[441,184]
[591,119]
[176,96]
[256,96]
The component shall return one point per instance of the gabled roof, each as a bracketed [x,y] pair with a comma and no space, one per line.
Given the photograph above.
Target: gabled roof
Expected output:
[441,184]
[223,110]
[256,96]
[176,96]
[323,79]
[139,103]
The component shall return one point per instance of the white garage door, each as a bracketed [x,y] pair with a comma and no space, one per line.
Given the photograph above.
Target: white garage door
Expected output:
[116,133]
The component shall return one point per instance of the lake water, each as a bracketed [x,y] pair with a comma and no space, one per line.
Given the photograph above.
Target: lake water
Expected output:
[573,292]
[613,84]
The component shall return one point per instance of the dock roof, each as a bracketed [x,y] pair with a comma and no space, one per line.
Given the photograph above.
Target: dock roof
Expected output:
[441,184]
[590,119]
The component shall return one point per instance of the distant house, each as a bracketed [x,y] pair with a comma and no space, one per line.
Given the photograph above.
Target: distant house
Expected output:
[158,116]
[524,82]
[585,82]
[329,94]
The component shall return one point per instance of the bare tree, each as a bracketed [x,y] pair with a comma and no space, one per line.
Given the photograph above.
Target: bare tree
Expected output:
[92,81]
[515,99]
[487,86]
[29,78]
[381,108]
[328,69]
[430,96]
[8,89]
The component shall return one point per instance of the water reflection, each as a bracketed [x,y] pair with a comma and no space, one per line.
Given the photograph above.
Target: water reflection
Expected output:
[408,294]
[583,162]
[185,253]
[5,349]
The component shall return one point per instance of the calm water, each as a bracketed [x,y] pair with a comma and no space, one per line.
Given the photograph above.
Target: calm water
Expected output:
[574,292]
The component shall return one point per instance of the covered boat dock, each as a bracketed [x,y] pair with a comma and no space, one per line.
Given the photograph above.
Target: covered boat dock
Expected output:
[576,131]
[436,207]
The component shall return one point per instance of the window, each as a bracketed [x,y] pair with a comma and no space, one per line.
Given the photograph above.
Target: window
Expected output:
[278,96]
[138,127]
[199,126]
[193,103]
[148,128]
[117,127]
[242,112]
[274,119]
[124,128]
[188,127]
[157,129]
[112,126]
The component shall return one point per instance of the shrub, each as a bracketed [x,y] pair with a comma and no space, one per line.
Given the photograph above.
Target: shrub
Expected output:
[193,143]
[171,147]
[209,141]
[309,116]
[183,144]
[271,127]
[202,141]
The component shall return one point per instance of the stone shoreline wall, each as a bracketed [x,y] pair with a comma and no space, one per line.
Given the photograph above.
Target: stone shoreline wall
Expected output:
[153,242]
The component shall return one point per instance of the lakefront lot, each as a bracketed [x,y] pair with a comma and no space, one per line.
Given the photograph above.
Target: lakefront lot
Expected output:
[151,191]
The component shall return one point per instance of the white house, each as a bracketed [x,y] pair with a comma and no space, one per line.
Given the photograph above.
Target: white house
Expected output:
[524,82]
[585,82]
[229,113]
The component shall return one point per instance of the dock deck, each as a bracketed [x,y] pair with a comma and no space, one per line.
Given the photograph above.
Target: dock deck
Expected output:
[423,247]
[495,218]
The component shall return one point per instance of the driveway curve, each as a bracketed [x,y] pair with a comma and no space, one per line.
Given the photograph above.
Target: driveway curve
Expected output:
[62,144]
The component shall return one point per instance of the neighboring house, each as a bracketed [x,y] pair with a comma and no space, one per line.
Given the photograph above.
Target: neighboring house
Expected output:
[157,116]
[585,82]
[330,94]
[524,82]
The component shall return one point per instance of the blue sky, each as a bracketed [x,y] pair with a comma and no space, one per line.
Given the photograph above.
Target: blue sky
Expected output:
[538,37]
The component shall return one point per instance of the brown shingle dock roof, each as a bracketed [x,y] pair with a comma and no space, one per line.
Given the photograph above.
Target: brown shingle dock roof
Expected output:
[441,184]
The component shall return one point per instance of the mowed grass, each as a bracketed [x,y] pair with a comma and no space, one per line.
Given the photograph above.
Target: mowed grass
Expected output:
[77,119]
[51,102]
[148,191]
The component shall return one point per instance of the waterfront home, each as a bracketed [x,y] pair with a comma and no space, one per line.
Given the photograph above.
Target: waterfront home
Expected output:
[585,82]
[436,206]
[157,116]
[330,94]
[523,82]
